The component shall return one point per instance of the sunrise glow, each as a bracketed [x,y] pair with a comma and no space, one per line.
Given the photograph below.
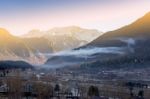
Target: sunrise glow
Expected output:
[21,16]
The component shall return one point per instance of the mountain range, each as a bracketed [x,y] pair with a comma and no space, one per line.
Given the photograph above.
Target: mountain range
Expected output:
[124,47]
[33,46]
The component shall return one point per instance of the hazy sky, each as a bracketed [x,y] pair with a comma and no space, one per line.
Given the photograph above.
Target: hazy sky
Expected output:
[21,16]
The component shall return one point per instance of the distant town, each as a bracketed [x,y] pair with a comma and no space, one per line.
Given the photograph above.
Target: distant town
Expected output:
[67,84]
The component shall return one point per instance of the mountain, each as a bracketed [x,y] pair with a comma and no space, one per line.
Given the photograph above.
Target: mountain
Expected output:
[134,37]
[65,42]
[15,48]
[76,32]
[65,38]
[123,48]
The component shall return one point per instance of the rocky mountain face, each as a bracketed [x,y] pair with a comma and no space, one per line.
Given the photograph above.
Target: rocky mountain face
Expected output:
[66,38]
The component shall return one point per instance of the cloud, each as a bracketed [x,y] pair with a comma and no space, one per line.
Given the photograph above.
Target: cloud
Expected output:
[89,51]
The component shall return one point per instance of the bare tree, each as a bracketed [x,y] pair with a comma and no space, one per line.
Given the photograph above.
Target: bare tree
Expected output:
[14,84]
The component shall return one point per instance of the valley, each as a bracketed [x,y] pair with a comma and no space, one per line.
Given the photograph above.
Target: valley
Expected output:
[77,58]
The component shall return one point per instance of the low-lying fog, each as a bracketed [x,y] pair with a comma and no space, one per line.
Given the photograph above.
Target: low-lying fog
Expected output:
[71,57]
[61,57]
[88,51]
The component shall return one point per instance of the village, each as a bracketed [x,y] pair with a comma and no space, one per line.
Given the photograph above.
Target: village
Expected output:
[58,84]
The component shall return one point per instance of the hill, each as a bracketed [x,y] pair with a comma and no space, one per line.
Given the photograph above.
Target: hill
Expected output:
[14,65]
[15,48]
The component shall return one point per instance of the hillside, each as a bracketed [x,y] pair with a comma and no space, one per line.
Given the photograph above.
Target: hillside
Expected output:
[134,37]
[138,30]
[15,48]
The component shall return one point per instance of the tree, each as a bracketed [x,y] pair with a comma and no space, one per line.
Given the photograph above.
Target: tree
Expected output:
[93,91]
[57,89]
[141,94]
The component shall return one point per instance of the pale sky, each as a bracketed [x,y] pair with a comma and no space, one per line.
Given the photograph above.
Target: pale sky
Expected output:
[21,16]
